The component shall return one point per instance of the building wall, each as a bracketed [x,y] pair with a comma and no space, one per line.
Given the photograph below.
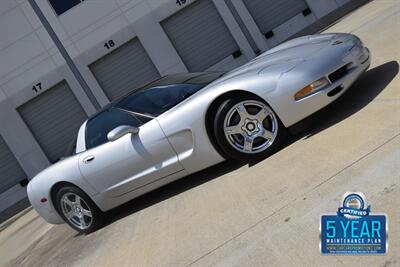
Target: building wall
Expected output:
[28,56]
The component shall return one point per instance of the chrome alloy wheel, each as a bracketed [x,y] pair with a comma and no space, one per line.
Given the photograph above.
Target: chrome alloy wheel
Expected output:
[250,126]
[76,210]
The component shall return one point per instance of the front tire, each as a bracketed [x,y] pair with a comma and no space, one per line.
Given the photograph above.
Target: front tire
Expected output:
[78,210]
[247,129]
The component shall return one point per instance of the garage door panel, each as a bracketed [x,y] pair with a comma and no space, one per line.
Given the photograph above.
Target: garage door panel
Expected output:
[54,118]
[200,35]
[269,14]
[11,172]
[124,69]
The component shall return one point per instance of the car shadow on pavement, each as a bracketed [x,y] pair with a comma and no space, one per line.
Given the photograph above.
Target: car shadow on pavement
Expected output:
[364,91]
[172,189]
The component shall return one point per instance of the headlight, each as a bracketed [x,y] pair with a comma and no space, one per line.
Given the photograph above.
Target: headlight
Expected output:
[312,88]
[356,51]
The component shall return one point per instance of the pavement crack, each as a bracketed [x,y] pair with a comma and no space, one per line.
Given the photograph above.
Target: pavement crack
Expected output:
[355,162]
[380,19]
[294,200]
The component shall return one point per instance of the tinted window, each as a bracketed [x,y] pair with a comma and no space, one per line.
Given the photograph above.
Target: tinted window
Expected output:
[99,126]
[60,6]
[156,100]
[163,94]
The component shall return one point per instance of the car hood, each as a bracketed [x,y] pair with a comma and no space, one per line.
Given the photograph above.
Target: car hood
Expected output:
[290,53]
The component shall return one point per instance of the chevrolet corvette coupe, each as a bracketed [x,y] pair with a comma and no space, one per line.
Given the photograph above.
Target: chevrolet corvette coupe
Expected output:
[181,124]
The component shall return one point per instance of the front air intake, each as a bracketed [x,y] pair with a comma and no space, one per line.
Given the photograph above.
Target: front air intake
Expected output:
[339,74]
[335,91]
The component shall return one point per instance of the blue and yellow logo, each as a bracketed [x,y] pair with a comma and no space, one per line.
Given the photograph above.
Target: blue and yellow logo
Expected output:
[353,230]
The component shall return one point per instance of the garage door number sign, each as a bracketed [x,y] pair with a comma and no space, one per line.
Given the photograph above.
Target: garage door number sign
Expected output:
[109,44]
[181,2]
[37,87]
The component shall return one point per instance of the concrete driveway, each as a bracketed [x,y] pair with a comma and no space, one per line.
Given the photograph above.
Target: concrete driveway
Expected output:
[265,214]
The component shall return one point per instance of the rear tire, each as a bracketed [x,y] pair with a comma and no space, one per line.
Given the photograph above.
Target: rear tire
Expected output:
[78,210]
[247,129]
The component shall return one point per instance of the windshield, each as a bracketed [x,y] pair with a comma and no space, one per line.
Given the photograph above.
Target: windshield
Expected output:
[165,93]
[144,104]
[156,100]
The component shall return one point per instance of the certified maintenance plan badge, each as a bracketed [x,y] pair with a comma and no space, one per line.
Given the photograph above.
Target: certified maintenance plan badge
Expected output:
[353,230]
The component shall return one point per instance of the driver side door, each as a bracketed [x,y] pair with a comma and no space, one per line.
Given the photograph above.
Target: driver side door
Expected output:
[132,161]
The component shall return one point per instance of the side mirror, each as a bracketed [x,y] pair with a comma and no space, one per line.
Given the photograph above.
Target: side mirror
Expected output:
[121,131]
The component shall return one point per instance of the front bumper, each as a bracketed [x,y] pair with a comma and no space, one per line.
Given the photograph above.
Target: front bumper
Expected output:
[356,61]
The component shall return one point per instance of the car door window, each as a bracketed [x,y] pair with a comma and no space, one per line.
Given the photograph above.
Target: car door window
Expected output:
[98,127]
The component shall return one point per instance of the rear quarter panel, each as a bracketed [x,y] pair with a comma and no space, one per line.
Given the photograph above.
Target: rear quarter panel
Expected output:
[40,186]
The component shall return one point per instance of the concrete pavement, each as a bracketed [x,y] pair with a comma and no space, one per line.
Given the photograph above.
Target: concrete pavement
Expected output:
[265,214]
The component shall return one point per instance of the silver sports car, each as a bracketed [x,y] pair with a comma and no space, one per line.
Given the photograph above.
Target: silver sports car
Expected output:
[184,123]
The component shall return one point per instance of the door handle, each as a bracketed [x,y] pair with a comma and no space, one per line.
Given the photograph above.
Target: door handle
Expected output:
[88,159]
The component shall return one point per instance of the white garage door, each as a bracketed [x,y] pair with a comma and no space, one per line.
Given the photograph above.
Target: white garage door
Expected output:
[54,118]
[269,14]
[200,36]
[11,172]
[124,69]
